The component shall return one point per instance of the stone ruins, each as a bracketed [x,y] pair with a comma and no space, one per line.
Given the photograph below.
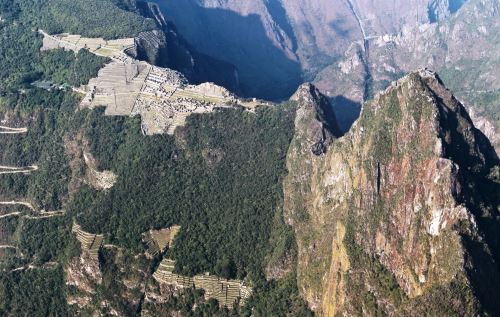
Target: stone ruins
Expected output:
[128,87]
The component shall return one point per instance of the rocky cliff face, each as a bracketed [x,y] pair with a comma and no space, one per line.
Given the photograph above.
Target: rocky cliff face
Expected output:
[321,125]
[400,215]
[165,47]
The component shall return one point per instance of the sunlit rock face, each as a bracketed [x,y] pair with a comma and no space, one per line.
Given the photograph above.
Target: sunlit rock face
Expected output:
[392,217]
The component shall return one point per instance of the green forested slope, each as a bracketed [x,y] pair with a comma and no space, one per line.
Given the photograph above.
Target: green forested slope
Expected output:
[91,18]
[219,178]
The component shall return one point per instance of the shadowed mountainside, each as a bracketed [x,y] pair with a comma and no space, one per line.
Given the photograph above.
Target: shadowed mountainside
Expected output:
[283,41]
[265,70]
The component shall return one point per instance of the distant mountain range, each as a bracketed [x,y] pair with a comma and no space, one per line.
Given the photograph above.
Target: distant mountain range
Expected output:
[350,49]
[276,41]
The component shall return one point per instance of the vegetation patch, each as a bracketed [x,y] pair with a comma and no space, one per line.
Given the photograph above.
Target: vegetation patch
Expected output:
[92,18]
[160,184]
[226,211]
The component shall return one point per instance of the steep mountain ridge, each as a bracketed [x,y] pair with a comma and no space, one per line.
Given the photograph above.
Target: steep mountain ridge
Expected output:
[315,109]
[392,217]
[370,44]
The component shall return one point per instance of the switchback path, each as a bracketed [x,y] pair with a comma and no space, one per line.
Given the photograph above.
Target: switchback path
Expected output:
[48,214]
[48,265]
[9,130]
[42,214]
[17,170]
[17,213]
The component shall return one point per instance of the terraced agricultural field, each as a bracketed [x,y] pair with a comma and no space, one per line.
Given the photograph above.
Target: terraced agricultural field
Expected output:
[90,242]
[164,274]
[158,240]
[226,292]
[98,46]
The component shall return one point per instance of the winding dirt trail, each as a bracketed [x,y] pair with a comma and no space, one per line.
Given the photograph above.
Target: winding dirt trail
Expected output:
[42,214]
[48,214]
[7,246]
[48,265]
[17,170]
[17,213]
[9,130]
[39,214]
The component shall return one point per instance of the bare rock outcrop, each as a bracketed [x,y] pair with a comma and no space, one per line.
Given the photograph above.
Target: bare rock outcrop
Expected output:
[315,109]
[400,215]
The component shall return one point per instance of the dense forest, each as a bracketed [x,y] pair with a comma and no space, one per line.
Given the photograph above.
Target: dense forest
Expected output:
[91,18]
[219,177]
[33,293]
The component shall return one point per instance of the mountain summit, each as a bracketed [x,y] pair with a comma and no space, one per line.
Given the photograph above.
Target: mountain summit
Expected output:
[400,216]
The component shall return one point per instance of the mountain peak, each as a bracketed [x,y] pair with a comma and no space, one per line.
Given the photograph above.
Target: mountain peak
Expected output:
[423,92]
[398,196]
[316,115]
